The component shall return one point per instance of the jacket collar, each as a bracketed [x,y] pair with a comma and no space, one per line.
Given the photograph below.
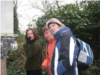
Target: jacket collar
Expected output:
[57,35]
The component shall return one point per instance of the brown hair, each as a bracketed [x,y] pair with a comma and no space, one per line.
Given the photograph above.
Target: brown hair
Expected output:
[36,37]
[44,29]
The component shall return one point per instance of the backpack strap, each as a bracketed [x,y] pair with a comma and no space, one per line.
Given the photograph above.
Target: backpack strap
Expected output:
[47,49]
[79,49]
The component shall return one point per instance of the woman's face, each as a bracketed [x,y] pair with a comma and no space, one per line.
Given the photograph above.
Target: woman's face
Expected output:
[53,27]
[30,34]
[47,35]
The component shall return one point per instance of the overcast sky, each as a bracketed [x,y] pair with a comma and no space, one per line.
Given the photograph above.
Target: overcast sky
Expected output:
[27,13]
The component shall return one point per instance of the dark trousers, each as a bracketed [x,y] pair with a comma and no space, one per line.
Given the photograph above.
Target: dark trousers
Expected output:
[33,72]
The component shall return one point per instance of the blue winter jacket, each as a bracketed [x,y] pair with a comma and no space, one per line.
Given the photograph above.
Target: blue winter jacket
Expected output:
[65,53]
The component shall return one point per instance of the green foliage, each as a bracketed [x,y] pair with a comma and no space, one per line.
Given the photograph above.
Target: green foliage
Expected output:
[92,70]
[16,28]
[29,25]
[16,60]
[84,21]
[45,72]
[12,70]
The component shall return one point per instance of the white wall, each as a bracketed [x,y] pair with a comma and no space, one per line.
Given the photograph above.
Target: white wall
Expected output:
[7,17]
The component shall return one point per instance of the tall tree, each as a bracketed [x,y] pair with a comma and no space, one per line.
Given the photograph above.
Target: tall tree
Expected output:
[16,28]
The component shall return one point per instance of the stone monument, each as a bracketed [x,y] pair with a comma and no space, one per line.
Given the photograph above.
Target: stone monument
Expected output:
[7,37]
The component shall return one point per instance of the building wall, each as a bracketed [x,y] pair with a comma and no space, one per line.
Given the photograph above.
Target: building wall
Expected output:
[7,26]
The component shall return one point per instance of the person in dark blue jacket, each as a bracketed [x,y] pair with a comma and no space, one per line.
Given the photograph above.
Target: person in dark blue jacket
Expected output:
[65,51]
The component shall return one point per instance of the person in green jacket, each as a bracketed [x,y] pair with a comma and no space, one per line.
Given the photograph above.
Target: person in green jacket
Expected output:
[33,52]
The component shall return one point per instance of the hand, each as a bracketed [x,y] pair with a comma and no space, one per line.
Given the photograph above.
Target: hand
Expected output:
[43,67]
[29,40]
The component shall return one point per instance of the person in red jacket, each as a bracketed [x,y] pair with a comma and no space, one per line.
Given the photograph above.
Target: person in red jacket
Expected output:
[49,49]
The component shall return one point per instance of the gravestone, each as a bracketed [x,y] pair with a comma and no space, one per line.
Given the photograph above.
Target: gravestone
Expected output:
[7,37]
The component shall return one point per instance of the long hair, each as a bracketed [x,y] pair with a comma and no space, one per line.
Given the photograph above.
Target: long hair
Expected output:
[36,37]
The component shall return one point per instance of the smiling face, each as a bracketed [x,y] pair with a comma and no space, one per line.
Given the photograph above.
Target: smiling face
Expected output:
[47,35]
[53,28]
[30,34]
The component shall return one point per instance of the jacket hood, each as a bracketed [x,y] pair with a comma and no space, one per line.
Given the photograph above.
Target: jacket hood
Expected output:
[67,29]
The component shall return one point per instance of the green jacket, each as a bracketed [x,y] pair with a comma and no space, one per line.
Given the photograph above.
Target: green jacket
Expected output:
[33,55]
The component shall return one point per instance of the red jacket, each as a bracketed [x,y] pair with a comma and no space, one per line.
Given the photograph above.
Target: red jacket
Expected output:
[49,51]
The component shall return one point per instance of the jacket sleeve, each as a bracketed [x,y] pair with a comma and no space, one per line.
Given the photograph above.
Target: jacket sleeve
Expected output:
[31,50]
[66,58]
[45,62]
